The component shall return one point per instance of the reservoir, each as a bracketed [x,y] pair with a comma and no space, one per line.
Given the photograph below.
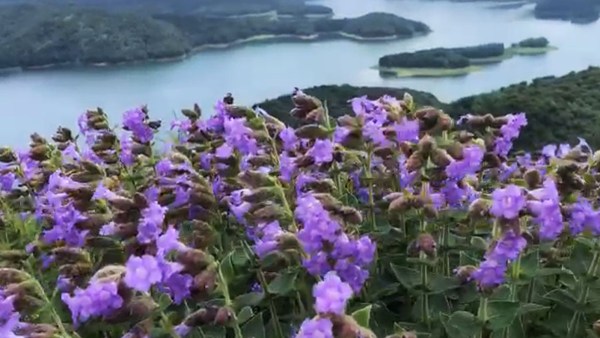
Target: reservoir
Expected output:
[42,100]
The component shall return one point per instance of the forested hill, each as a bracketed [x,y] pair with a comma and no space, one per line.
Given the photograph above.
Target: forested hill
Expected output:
[42,35]
[202,7]
[559,109]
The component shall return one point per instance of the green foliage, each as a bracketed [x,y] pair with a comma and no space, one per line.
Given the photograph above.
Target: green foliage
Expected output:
[559,109]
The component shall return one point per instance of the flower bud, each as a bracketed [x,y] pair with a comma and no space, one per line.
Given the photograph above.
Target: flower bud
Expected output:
[37,331]
[312,131]
[440,158]
[111,272]
[427,244]
[194,260]
[351,215]
[415,161]
[533,178]
[596,327]
[204,284]
[464,273]
[204,316]
[287,241]
[69,255]
[10,275]
[224,316]
[479,208]
[426,145]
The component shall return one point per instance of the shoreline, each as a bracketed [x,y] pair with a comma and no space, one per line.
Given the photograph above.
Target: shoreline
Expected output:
[207,47]
[400,72]
[475,64]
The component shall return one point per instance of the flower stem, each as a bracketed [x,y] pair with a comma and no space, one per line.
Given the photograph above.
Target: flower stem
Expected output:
[585,289]
[225,289]
[272,308]
[482,314]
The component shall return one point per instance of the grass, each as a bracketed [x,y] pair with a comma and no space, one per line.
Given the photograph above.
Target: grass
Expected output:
[475,64]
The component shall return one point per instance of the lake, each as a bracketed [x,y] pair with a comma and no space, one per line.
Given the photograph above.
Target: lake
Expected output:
[42,100]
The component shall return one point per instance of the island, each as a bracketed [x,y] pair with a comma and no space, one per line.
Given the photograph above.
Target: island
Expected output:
[37,36]
[442,62]
[576,11]
[573,111]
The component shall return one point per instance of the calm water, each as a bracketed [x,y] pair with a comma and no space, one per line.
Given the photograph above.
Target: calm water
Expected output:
[42,100]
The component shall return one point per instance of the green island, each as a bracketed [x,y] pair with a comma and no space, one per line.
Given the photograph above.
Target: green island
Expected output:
[444,62]
[576,11]
[39,36]
[573,110]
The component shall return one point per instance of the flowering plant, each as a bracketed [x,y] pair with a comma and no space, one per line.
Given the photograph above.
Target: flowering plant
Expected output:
[390,221]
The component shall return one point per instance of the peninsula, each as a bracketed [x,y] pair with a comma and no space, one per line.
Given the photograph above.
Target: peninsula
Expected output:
[36,36]
[442,62]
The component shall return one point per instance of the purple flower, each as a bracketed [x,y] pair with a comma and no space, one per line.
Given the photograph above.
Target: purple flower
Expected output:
[240,137]
[287,167]
[471,162]
[331,295]
[340,134]
[491,272]
[362,105]
[142,272]
[316,328]
[150,226]
[169,241]
[126,152]
[507,202]
[98,299]
[135,121]
[407,130]
[9,318]
[547,210]
[289,138]
[7,181]
[322,151]
[374,132]
[179,285]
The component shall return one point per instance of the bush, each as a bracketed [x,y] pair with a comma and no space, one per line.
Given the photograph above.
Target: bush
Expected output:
[389,221]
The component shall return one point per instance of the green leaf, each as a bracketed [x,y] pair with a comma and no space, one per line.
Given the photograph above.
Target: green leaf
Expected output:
[363,316]
[214,332]
[409,278]
[248,299]
[441,284]
[478,243]
[254,328]
[552,272]
[227,269]
[531,307]
[163,302]
[501,314]
[284,283]
[465,259]
[529,263]
[245,314]
[564,298]
[462,324]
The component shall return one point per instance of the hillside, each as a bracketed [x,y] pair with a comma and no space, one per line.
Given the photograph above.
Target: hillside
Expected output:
[203,7]
[35,35]
[559,109]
